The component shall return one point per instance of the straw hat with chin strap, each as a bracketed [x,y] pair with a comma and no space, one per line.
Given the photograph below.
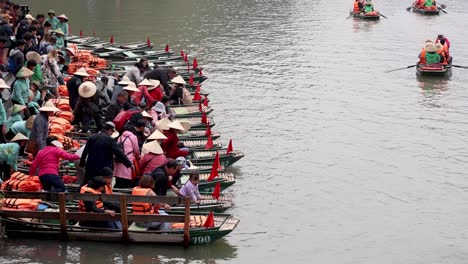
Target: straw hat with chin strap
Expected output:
[153,147]
[63,16]
[3,85]
[87,89]
[32,55]
[178,80]
[59,31]
[49,107]
[176,125]
[19,137]
[157,135]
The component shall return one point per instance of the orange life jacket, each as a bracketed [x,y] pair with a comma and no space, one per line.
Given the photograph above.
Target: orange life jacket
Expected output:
[20,204]
[86,189]
[356,7]
[22,182]
[422,57]
[443,56]
[446,50]
[142,207]
[195,221]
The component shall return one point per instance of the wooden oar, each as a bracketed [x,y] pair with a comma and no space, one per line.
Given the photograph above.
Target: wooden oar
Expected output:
[409,8]
[399,69]
[441,9]
[459,66]
[383,15]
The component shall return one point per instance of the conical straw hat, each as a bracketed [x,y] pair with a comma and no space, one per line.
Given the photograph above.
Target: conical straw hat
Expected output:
[157,135]
[24,72]
[155,83]
[177,126]
[30,121]
[186,126]
[146,114]
[131,87]
[81,72]
[3,85]
[49,107]
[59,31]
[125,81]
[57,144]
[153,147]
[178,79]
[87,89]
[63,16]
[32,55]
[163,124]
[145,82]
[19,137]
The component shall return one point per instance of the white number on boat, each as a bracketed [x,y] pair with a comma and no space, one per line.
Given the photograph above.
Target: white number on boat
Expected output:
[201,240]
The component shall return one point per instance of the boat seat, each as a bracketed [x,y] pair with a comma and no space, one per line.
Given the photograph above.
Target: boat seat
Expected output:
[134,227]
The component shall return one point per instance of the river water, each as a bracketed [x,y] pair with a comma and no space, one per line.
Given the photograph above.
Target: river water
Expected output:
[344,163]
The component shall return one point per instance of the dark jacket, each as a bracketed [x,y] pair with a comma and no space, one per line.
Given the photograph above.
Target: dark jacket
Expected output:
[18,57]
[6,31]
[161,180]
[160,75]
[113,110]
[99,152]
[72,87]
[40,130]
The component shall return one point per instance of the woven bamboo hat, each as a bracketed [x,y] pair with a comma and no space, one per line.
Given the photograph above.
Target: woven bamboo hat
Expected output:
[177,126]
[30,122]
[81,72]
[178,79]
[59,31]
[49,107]
[63,16]
[157,135]
[24,73]
[163,124]
[155,83]
[125,81]
[17,108]
[32,55]
[3,84]
[431,48]
[131,87]
[153,147]
[186,126]
[87,89]
[19,137]
[145,82]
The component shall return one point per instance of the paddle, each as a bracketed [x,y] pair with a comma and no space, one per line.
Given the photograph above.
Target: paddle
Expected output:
[409,8]
[383,16]
[441,9]
[399,69]
[459,66]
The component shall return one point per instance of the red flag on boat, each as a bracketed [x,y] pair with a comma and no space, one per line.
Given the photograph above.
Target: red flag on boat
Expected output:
[111,41]
[217,160]
[148,42]
[197,96]
[166,49]
[204,120]
[200,73]
[81,33]
[214,171]
[216,191]
[200,108]
[209,221]
[182,53]
[94,33]
[198,89]
[195,63]
[229,148]
[185,57]
[190,81]
[209,143]
[208,131]
[205,101]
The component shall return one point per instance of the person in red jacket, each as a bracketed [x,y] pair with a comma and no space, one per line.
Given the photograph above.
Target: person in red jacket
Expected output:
[47,162]
[171,146]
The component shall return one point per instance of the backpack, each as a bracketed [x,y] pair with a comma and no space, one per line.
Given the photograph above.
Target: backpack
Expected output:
[43,50]
[121,145]
[186,96]
[124,117]
[11,65]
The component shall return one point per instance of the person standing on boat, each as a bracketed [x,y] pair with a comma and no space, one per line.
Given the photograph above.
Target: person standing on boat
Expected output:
[123,174]
[100,150]
[60,42]
[52,19]
[445,47]
[63,26]
[135,73]
[145,189]
[431,55]
[40,128]
[47,164]
[73,84]
[440,37]
[9,153]
[442,54]
[96,186]
[163,76]
[172,147]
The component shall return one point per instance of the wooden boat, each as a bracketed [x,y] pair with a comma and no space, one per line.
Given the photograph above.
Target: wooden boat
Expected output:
[198,135]
[226,180]
[190,111]
[427,11]
[206,157]
[437,69]
[24,223]
[82,41]
[194,145]
[196,122]
[375,15]
[200,169]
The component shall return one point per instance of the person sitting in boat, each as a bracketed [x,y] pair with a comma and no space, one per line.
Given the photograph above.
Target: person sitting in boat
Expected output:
[445,47]
[107,174]
[190,188]
[145,189]
[357,6]
[418,3]
[47,164]
[171,146]
[153,159]
[96,186]
[440,37]
[422,54]
[442,54]
[431,55]
[429,3]
[177,92]
[368,7]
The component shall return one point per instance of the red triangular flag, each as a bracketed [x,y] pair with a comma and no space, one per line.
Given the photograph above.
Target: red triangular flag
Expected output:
[166,49]
[216,191]
[200,108]
[111,41]
[229,148]
[196,96]
[208,131]
[81,33]
[190,81]
[94,33]
[205,101]
[198,89]
[195,63]
[182,53]
[209,143]
[69,30]
[217,160]
[204,120]
[185,57]
[200,73]
[214,171]
[209,221]
[148,42]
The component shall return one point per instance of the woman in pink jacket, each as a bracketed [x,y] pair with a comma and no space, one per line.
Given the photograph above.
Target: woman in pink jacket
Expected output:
[123,175]
[47,162]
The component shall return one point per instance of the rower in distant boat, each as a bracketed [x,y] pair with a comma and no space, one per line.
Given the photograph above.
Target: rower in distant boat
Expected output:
[442,54]
[431,54]
[422,55]
[357,6]
[368,7]
[441,37]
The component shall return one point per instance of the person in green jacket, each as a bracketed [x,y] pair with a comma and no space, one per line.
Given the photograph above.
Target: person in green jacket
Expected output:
[369,7]
[15,115]
[9,153]
[431,54]
[52,19]
[59,35]
[33,62]
[21,88]
[23,127]
[63,24]
[3,117]
[429,3]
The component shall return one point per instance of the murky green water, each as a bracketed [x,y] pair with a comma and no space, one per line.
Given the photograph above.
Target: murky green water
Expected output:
[344,163]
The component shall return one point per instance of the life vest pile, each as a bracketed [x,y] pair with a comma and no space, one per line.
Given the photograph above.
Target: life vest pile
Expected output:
[62,104]
[23,183]
[195,221]
[68,179]
[62,90]
[20,204]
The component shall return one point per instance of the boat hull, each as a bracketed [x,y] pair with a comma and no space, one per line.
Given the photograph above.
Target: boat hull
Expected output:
[426,11]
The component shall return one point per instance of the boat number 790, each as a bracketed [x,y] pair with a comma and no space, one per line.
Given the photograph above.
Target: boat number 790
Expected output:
[201,240]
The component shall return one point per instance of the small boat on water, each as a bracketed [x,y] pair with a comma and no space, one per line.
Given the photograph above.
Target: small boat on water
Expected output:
[194,145]
[198,135]
[206,157]
[427,11]
[190,110]
[437,69]
[374,15]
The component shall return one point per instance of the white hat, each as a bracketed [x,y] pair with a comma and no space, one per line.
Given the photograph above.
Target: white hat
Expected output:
[186,126]
[87,89]
[177,126]
[29,16]
[32,55]
[131,87]
[57,144]
[115,134]
[181,161]
[3,84]
[58,31]
[19,137]
[24,72]
[49,107]
[153,147]
[125,81]
[178,79]
[63,16]
[157,135]
[155,83]
[81,72]
[146,82]
[431,48]
[159,107]
[145,114]
[163,124]
[17,108]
